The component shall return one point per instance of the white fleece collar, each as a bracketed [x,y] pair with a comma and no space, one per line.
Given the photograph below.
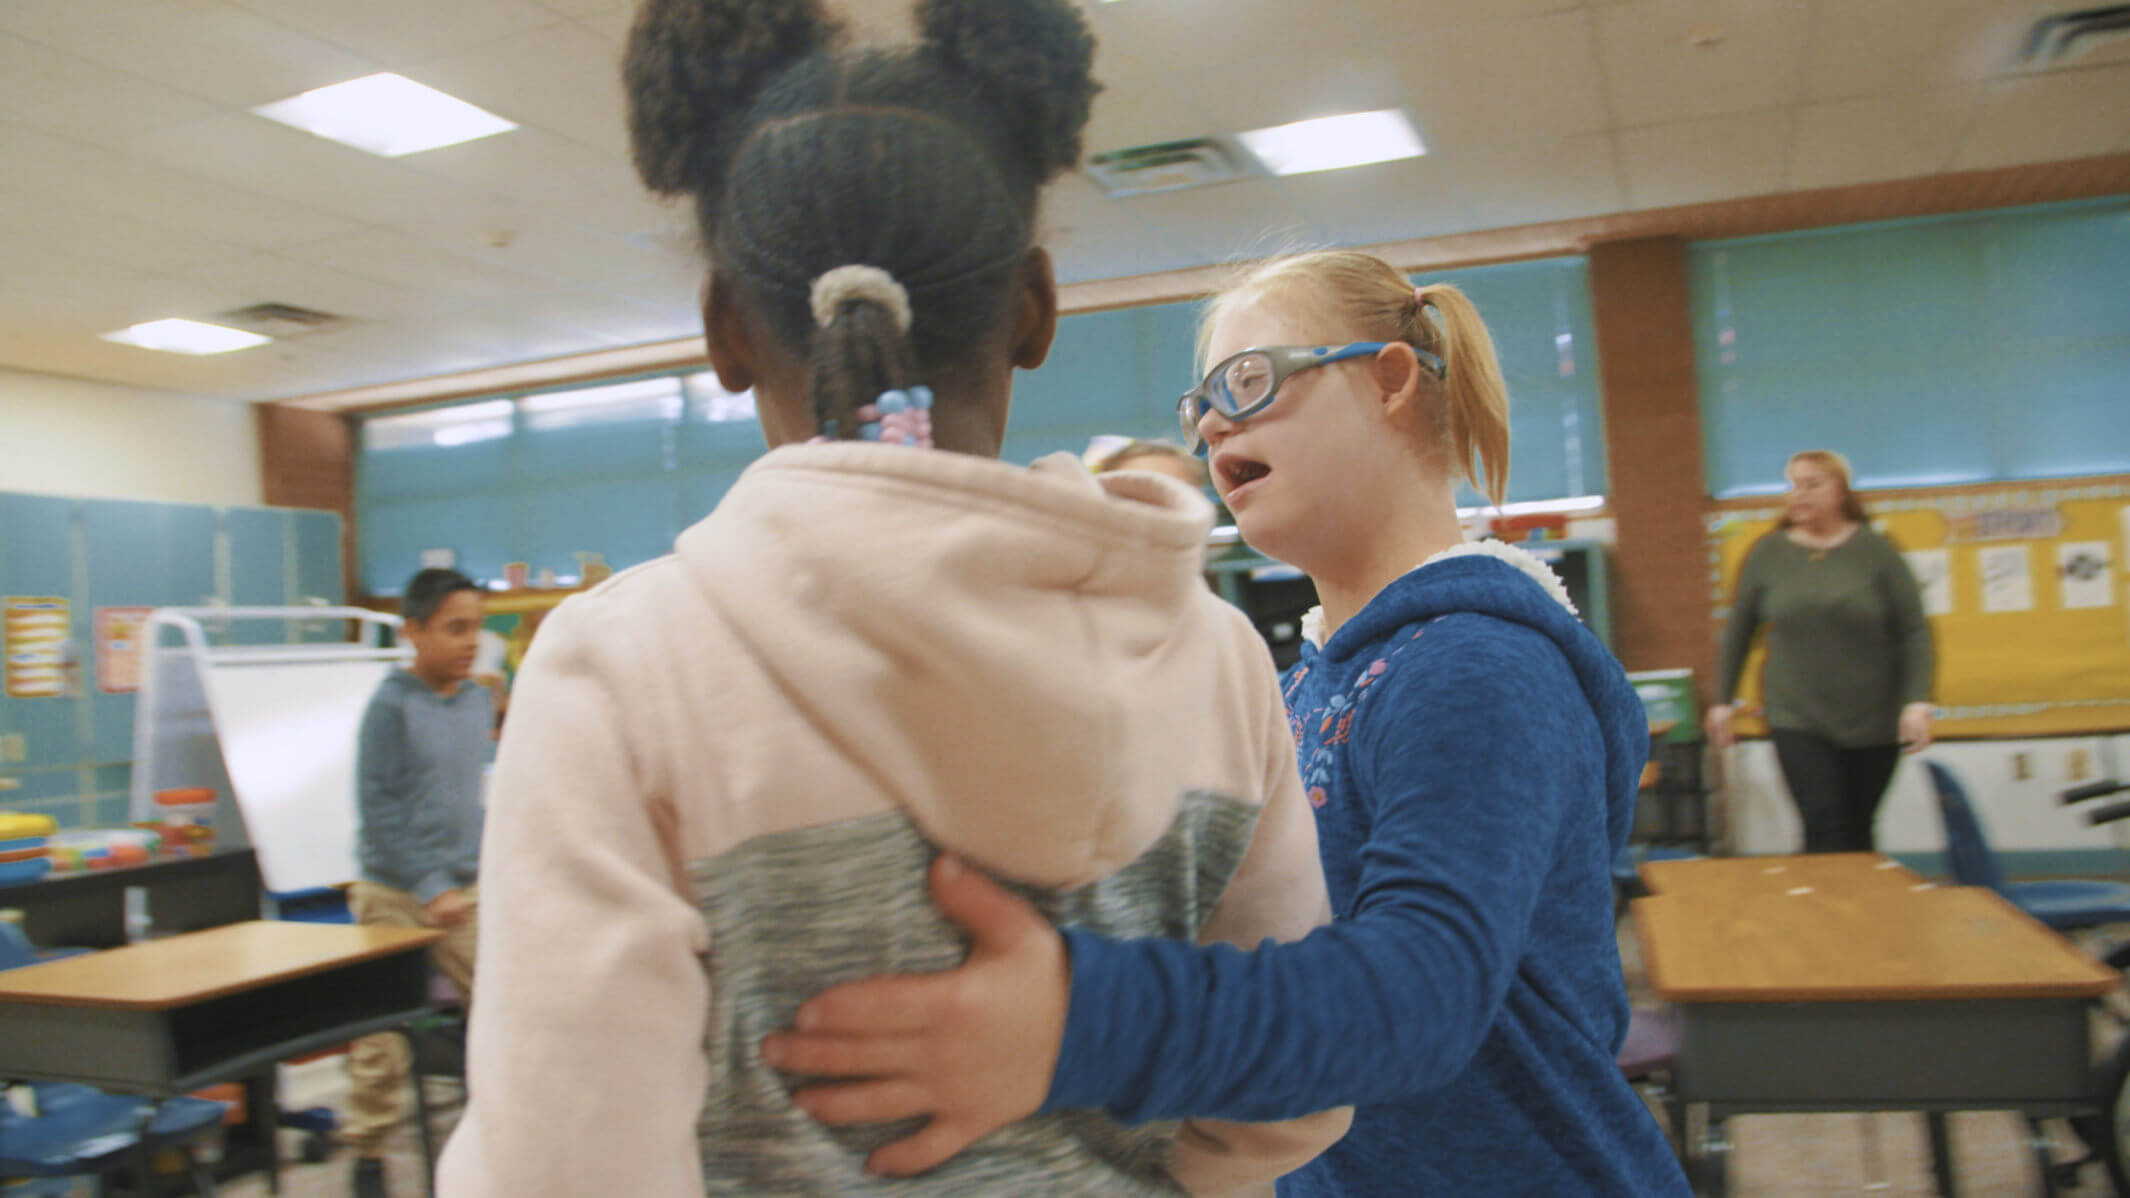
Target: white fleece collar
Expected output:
[1538,571]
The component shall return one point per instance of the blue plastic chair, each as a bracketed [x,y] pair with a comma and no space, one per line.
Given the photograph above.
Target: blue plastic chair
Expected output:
[2064,906]
[16,950]
[79,1131]
[1627,870]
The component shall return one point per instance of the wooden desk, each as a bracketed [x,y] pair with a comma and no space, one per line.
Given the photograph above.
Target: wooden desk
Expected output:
[1842,873]
[167,1017]
[1936,1000]
[184,894]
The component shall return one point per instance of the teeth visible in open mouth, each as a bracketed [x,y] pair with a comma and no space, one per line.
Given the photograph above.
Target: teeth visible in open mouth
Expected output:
[1240,473]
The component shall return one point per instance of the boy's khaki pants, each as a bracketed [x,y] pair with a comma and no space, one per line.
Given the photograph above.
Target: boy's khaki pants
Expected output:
[378,1065]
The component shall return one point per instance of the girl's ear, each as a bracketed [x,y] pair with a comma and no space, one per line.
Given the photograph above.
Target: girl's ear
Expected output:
[731,350]
[1397,374]
[1035,303]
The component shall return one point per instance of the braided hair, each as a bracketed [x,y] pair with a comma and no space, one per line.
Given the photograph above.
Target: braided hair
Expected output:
[803,156]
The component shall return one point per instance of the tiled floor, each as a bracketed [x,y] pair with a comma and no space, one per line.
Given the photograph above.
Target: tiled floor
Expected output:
[1772,1155]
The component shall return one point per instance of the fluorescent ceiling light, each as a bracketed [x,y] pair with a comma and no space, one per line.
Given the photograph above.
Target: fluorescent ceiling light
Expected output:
[177,336]
[1332,142]
[385,114]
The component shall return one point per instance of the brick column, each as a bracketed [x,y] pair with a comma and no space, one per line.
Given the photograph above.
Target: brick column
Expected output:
[1654,477]
[307,459]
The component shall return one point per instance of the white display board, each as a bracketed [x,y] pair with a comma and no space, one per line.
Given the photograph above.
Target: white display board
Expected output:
[272,728]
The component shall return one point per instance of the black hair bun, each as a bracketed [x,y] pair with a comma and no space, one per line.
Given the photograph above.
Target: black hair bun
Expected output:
[1035,57]
[694,68]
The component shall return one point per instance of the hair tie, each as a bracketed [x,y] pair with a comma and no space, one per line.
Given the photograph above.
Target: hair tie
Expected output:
[847,283]
[1420,297]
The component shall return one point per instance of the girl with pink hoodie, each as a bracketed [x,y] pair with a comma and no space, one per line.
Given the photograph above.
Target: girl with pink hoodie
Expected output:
[727,771]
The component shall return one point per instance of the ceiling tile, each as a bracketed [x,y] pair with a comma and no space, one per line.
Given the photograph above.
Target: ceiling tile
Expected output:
[402,33]
[60,94]
[94,235]
[1255,37]
[245,279]
[1091,236]
[256,154]
[530,166]
[557,252]
[609,319]
[611,21]
[1524,183]
[204,48]
[1235,220]
[98,297]
[1139,107]
[2066,115]
[675,289]
[1394,18]
[1352,80]
[80,176]
[580,8]
[507,75]
[1882,137]
[1884,47]
[1463,98]
[401,259]
[1697,161]
[1389,201]
[1654,73]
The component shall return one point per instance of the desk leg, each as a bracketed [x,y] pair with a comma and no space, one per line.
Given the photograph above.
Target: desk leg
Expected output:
[263,1111]
[421,1108]
[1708,1165]
[1941,1161]
[143,1158]
[2037,1137]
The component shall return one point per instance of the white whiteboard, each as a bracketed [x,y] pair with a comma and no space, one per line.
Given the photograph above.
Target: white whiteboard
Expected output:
[288,733]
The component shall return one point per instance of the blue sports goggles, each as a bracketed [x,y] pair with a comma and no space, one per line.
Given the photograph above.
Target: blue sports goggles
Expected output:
[1247,383]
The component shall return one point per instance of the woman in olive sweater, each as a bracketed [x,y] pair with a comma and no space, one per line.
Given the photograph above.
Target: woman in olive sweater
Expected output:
[1849,667]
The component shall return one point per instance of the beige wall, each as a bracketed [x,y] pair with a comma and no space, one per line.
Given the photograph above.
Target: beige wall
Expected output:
[61,436]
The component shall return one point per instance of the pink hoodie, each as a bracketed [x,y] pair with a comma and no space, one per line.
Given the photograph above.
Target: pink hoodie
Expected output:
[726,770]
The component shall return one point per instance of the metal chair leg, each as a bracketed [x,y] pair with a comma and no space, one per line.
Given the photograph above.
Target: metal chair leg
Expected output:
[1941,1161]
[421,1110]
[202,1175]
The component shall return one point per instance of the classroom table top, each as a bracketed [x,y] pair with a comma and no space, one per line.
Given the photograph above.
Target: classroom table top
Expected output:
[1827,945]
[1843,872]
[194,967]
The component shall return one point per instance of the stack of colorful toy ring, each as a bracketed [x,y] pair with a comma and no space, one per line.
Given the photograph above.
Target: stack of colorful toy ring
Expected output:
[25,848]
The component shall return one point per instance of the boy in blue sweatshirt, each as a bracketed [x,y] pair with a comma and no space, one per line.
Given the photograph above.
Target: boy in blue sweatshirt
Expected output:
[426,737]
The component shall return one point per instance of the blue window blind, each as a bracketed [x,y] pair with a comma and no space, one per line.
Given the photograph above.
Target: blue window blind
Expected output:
[1946,350]
[1539,315]
[621,469]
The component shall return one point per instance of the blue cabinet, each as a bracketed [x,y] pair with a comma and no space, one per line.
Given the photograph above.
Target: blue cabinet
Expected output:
[76,749]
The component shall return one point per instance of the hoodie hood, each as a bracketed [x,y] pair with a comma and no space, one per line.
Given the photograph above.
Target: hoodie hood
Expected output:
[1496,579]
[989,648]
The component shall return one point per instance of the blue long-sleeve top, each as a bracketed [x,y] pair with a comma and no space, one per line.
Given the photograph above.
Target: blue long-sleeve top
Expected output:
[1473,752]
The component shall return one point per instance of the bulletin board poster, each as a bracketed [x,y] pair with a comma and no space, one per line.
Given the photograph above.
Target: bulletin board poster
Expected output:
[118,648]
[33,645]
[2026,589]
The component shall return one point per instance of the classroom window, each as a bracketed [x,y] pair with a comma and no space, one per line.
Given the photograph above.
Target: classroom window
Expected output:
[1974,348]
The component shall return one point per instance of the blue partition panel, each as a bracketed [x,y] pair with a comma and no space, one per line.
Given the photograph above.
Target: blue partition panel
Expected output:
[77,749]
[140,555]
[258,548]
[37,559]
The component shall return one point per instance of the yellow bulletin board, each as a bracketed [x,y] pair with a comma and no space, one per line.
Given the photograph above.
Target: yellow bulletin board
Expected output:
[2027,593]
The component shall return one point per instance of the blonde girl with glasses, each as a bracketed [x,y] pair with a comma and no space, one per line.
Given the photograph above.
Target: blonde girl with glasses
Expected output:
[1471,753]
